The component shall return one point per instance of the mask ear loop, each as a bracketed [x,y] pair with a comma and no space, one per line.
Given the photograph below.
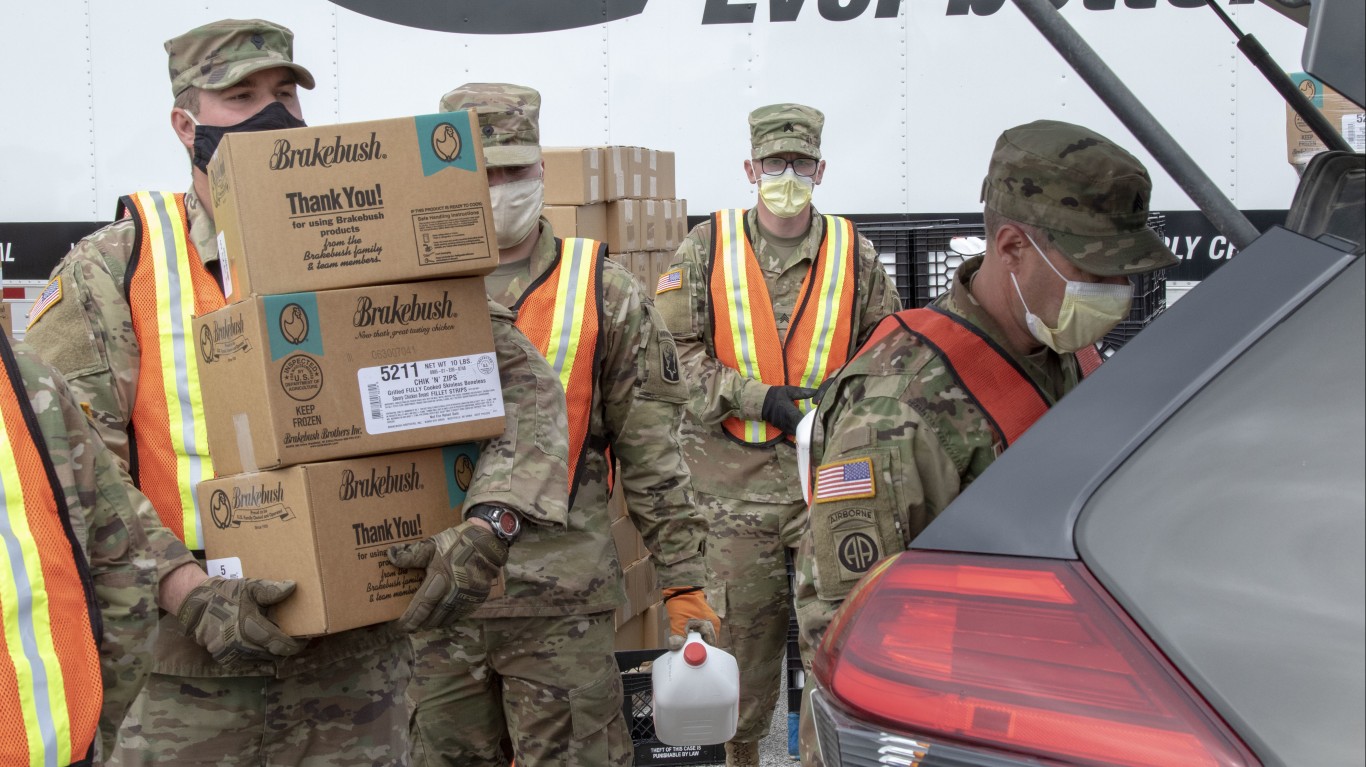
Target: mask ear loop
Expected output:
[1044,256]
[190,115]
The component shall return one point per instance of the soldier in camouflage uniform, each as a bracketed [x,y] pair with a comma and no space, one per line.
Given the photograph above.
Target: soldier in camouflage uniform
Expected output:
[104,512]
[749,493]
[533,673]
[1066,224]
[227,686]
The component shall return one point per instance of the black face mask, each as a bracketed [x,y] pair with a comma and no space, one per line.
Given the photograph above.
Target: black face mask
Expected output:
[206,137]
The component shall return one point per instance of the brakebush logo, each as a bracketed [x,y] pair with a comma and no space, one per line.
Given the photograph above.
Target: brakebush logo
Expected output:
[379,485]
[370,313]
[286,156]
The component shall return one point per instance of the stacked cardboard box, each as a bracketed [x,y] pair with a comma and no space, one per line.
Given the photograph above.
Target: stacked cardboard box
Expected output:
[624,196]
[638,621]
[357,325]
[1348,118]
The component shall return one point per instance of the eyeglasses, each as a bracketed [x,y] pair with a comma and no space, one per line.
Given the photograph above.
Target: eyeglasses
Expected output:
[776,166]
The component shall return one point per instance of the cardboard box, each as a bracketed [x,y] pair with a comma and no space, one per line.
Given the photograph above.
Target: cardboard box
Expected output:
[627,224]
[676,222]
[578,220]
[642,588]
[328,526]
[307,377]
[650,174]
[339,206]
[630,545]
[1348,118]
[575,175]
[647,631]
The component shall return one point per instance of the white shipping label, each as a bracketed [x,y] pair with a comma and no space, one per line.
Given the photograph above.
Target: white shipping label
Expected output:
[415,395]
[227,567]
[1354,130]
[223,264]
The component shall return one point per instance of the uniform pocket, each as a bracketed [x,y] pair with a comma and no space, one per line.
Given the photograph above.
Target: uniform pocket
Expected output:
[594,706]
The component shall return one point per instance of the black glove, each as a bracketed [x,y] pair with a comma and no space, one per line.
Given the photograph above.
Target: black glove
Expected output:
[779,410]
[462,563]
[225,617]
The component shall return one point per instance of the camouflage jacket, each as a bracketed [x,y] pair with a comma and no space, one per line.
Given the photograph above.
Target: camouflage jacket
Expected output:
[721,466]
[636,411]
[898,407]
[105,510]
[88,335]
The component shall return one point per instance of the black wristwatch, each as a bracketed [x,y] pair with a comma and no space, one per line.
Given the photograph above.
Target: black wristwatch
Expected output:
[507,525]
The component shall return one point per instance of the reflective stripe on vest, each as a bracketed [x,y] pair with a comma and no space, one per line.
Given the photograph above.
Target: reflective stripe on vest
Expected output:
[50,685]
[745,332]
[559,314]
[1007,396]
[167,287]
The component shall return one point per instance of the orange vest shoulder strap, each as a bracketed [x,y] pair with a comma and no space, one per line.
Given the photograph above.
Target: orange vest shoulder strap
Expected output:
[1009,398]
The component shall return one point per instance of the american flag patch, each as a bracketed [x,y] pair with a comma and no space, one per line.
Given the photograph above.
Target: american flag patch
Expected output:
[50,296]
[847,479]
[669,281]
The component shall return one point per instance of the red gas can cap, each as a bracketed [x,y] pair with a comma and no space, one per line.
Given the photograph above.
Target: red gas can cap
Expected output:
[695,654]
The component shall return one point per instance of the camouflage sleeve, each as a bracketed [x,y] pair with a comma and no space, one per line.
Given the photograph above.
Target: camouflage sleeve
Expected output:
[644,395]
[527,467]
[105,517]
[87,334]
[879,475]
[717,392]
[880,298]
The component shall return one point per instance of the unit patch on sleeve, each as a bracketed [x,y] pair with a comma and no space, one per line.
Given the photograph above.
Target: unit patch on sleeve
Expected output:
[671,280]
[845,480]
[52,294]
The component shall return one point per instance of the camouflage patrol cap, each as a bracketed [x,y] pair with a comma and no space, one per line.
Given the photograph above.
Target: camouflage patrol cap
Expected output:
[1090,195]
[779,128]
[218,55]
[509,120]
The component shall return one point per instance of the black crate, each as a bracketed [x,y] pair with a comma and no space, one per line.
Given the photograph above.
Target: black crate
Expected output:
[895,243]
[638,708]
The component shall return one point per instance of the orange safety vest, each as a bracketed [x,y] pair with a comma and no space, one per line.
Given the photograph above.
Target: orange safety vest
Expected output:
[1007,396]
[50,685]
[167,286]
[559,313]
[745,333]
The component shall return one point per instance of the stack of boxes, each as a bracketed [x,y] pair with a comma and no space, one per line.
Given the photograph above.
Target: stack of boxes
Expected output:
[621,195]
[356,325]
[641,623]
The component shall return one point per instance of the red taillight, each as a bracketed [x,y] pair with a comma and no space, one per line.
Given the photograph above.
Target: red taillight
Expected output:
[1029,656]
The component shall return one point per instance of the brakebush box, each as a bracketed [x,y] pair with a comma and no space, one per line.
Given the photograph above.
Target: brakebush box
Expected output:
[578,220]
[340,206]
[305,377]
[575,175]
[328,527]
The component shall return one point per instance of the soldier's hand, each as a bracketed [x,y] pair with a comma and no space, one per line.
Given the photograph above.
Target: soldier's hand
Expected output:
[227,618]
[462,563]
[778,408]
[688,611]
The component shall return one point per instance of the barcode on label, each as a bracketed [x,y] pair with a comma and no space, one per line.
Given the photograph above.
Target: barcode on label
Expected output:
[1354,130]
[372,393]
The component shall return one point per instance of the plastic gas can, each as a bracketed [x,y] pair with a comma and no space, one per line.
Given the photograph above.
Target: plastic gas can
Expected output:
[696,694]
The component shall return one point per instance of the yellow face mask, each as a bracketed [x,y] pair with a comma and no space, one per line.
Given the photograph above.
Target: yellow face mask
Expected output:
[1089,311]
[785,195]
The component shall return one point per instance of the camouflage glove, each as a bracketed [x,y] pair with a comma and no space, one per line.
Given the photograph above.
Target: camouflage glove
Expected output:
[226,617]
[688,611]
[462,563]
[778,408]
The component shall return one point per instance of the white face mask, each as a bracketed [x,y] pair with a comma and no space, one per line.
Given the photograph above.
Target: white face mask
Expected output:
[1089,310]
[516,209]
[785,195]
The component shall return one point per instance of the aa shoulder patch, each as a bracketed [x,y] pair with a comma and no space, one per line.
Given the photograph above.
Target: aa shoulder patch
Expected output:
[670,280]
[845,480]
[51,296]
[668,361]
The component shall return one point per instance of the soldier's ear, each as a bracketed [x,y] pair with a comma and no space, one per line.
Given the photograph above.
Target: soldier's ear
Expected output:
[1010,242]
[750,172]
[183,125]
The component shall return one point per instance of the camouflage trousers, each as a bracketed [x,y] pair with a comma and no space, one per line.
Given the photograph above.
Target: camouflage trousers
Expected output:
[747,553]
[346,714]
[546,689]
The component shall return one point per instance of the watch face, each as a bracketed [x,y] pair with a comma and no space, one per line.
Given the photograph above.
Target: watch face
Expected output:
[507,524]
